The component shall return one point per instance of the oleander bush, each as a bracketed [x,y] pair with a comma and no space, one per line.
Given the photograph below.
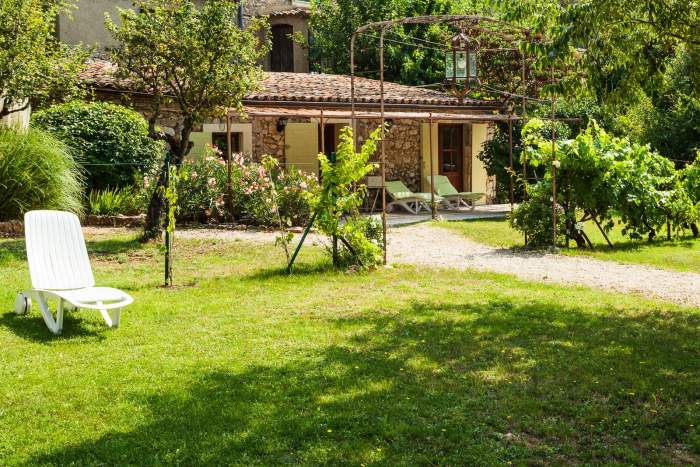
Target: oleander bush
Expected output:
[37,171]
[202,191]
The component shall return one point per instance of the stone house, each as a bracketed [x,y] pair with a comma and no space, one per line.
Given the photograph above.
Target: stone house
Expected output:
[297,115]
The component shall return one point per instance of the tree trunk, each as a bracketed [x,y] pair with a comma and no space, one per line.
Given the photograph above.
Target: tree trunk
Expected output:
[179,147]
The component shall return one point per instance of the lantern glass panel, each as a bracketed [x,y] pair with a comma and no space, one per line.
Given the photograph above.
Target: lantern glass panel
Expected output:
[472,65]
[449,66]
[461,65]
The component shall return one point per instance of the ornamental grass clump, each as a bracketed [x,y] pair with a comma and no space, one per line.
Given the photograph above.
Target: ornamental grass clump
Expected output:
[37,171]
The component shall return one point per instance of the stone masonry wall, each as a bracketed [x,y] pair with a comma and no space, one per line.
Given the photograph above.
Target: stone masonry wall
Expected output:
[266,138]
[402,149]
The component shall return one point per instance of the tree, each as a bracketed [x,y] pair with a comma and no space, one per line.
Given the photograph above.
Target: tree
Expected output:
[34,67]
[334,21]
[195,58]
[626,42]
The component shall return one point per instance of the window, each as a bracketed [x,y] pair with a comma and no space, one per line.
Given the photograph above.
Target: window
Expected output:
[282,53]
[219,140]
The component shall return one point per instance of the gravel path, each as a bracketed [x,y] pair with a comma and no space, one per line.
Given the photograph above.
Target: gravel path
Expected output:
[422,244]
[431,246]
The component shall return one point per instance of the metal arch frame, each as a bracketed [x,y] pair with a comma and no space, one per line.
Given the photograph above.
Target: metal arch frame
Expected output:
[382,26]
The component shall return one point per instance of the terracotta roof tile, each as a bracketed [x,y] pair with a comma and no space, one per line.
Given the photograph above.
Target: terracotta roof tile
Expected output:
[306,87]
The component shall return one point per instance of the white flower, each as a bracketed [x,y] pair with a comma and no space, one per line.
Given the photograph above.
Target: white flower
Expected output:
[556,164]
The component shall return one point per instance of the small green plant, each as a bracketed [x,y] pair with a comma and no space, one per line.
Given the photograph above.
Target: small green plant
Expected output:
[37,171]
[341,195]
[115,201]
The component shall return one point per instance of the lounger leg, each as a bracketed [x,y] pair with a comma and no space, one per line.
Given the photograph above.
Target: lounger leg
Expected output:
[55,326]
[112,319]
[116,317]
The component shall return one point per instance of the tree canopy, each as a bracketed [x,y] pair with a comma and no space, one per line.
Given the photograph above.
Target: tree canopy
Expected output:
[34,66]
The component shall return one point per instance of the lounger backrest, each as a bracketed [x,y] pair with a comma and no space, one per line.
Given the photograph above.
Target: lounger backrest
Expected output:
[56,251]
[398,190]
[444,187]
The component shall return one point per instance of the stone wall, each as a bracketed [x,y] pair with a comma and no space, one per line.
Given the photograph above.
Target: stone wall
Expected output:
[266,138]
[402,149]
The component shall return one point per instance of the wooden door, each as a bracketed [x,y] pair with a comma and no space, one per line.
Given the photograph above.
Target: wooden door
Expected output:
[450,154]
[282,52]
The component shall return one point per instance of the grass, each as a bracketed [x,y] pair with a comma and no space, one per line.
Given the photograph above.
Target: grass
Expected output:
[679,255]
[240,364]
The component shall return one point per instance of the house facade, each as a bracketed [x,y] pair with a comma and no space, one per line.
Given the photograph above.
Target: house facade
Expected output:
[288,19]
[298,114]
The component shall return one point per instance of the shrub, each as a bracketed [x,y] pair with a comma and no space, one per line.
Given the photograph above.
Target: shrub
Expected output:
[37,172]
[533,217]
[116,201]
[110,140]
[201,187]
[202,191]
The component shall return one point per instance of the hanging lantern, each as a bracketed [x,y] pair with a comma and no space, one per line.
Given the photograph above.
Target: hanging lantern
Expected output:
[461,62]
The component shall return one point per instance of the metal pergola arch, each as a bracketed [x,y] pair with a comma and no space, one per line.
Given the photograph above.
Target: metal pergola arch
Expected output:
[474,20]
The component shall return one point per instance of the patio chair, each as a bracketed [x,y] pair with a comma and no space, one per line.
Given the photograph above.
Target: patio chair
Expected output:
[412,202]
[60,269]
[453,199]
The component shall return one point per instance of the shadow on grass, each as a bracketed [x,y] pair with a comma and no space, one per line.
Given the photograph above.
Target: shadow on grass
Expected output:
[463,384]
[32,327]
[300,269]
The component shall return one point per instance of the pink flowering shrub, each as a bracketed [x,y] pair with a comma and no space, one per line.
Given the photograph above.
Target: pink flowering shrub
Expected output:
[202,190]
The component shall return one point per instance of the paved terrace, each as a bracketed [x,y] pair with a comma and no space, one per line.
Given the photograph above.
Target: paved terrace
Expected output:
[488,211]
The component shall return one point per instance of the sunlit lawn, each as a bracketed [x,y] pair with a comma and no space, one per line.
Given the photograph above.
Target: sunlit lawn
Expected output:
[679,254]
[239,364]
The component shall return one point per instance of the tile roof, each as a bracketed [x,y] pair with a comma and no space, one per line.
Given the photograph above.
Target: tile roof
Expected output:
[306,88]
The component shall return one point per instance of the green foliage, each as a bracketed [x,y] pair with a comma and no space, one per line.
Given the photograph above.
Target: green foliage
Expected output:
[333,22]
[341,194]
[34,67]
[115,201]
[600,176]
[533,217]
[673,126]
[495,154]
[111,141]
[37,171]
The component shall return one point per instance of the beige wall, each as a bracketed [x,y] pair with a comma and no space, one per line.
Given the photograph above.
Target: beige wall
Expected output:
[480,183]
[202,138]
[86,22]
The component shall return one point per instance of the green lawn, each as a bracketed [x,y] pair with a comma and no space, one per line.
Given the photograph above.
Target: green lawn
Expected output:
[239,364]
[679,255]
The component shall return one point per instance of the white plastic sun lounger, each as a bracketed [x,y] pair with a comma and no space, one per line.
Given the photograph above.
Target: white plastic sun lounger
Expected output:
[60,269]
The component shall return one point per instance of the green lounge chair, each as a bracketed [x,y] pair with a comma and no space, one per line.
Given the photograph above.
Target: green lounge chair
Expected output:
[412,202]
[453,199]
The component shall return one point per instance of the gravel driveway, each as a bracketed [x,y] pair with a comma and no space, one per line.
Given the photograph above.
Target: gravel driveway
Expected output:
[432,246]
